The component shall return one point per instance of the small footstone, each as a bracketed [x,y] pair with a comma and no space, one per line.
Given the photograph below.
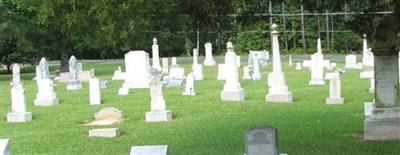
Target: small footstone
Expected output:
[159,116]
[284,98]
[5,147]
[106,132]
[123,91]
[232,95]
[334,100]
[19,117]
[150,150]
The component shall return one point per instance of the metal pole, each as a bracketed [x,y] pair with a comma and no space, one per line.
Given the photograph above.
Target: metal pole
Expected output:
[302,27]
[284,26]
[327,29]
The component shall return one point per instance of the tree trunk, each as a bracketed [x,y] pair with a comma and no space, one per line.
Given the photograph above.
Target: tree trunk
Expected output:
[9,68]
[64,56]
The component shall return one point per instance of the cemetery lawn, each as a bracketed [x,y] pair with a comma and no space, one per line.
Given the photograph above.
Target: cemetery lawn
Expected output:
[203,124]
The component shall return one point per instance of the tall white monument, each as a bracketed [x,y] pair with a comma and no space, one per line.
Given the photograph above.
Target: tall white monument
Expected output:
[334,88]
[196,67]
[317,67]
[209,60]
[189,88]
[156,55]
[46,95]
[158,109]
[74,83]
[232,89]
[365,50]
[18,103]
[278,91]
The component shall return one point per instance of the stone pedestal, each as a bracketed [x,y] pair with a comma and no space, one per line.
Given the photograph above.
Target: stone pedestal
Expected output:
[19,117]
[278,91]
[158,116]
[384,122]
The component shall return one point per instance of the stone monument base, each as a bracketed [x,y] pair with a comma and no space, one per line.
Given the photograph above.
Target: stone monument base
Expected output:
[283,98]
[159,116]
[209,62]
[316,82]
[41,102]
[381,129]
[123,91]
[227,95]
[334,100]
[19,117]
[74,87]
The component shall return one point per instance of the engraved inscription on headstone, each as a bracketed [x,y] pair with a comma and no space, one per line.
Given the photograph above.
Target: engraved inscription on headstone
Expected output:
[386,80]
[261,140]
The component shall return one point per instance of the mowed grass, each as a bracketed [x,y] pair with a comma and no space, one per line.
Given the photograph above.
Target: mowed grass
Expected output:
[203,124]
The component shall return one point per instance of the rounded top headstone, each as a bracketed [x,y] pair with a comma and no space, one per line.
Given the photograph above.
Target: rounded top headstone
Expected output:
[274,26]
[154,41]
[72,58]
[42,60]
[229,45]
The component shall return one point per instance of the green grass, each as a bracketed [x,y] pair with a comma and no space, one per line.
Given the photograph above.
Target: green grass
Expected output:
[202,124]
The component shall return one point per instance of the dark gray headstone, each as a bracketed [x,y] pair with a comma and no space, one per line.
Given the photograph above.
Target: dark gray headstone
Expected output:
[261,140]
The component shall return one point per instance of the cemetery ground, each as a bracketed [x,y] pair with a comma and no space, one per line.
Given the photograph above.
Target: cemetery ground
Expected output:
[202,124]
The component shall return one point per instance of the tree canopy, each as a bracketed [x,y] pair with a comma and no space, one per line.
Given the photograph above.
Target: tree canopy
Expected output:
[108,29]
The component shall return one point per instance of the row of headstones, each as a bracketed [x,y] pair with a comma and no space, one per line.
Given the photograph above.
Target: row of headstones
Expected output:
[260,140]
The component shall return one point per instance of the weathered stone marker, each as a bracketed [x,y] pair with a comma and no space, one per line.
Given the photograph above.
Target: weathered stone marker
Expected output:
[261,140]
[384,122]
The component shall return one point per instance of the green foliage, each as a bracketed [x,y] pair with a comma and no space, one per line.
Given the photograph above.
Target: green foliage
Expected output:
[108,29]
[20,38]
